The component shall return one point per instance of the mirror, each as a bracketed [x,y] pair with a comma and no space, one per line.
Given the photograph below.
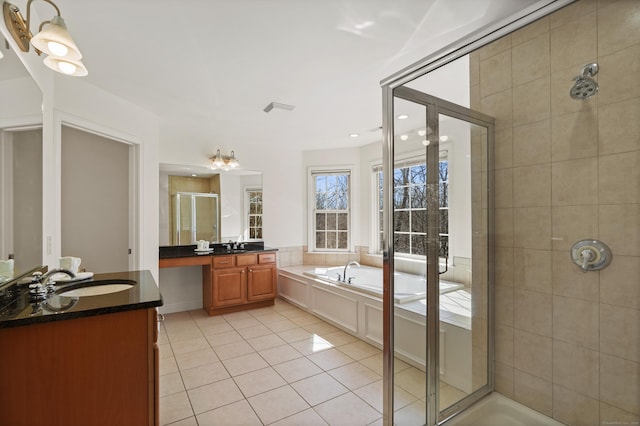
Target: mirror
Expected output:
[239,201]
[20,168]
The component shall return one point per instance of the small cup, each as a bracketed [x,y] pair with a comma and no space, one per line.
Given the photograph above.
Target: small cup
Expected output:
[6,268]
[70,263]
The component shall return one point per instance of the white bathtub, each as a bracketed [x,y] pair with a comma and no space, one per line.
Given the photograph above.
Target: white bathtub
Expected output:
[408,287]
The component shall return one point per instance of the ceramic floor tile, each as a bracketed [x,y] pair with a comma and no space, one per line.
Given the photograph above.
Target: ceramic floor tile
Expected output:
[204,375]
[330,359]
[220,327]
[449,395]
[196,359]
[237,413]
[339,338]
[277,404]
[413,414]
[244,364]
[413,381]
[359,350]
[375,363]
[190,345]
[215,395]
[174,407]
[259,381]
[165,350]
[282,325]
[297,369]
[280,354]
[321,328]
[232,350]
[240,323]
[319,388]
[168,365]
[347,409]
[295,335]
[255,331]
[306,418]
[224,338]
[170,384]
[313,345]
[372,395]
[191,421]
[267,341]
[354,375]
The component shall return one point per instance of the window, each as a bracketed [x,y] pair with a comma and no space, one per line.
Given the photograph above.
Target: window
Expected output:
[331,210]
[410,205]
[254,213]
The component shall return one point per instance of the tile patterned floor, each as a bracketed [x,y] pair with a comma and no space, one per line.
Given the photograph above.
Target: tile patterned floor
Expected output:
[277,366]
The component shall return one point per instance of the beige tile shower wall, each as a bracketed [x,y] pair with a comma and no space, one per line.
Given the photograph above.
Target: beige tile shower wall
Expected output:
[567,342]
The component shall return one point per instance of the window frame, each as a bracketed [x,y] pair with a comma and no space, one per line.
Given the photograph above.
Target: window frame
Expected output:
[247,212]
[312,172]
[408,160]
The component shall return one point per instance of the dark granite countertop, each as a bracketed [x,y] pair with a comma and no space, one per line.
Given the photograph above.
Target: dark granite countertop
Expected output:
[16,309]
[172,252]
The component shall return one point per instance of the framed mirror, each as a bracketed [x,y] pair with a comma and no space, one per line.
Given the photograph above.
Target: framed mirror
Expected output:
[21,240]
[239,203]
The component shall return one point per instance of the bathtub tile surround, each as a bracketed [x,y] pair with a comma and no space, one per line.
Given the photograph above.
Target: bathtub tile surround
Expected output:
[567,343]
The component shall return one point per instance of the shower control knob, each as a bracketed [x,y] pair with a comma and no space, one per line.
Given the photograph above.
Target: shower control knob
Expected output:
[591,255]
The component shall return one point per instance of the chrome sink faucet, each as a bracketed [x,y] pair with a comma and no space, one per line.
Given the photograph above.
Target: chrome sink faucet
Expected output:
[344,274]
[43,284]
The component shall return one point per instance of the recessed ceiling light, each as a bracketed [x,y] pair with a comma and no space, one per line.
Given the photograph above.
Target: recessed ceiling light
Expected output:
[404,137]
[422,132]
[194,175]
[354,135]
[444,138]
[426,142]
[402,117]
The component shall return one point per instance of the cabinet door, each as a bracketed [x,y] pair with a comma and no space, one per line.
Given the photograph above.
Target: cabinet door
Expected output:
[229,286]
[261,284]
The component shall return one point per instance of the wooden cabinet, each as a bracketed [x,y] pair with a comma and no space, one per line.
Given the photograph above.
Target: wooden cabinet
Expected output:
[98,370]
[241,281]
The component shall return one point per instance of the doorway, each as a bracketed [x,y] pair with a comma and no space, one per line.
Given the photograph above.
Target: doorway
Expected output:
[96,179]
[437,224]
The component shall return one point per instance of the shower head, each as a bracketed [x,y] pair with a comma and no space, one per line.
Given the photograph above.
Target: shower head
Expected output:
[585,86]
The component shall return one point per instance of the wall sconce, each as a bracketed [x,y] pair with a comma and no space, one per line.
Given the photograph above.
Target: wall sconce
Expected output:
[52,39]
[224,162]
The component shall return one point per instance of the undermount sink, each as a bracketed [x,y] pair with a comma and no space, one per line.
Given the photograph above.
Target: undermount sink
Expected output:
[96,288]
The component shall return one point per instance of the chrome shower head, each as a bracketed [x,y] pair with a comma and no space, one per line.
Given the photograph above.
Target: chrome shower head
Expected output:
[585,86]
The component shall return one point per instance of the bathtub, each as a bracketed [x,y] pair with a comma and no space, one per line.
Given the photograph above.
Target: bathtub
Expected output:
[408,287]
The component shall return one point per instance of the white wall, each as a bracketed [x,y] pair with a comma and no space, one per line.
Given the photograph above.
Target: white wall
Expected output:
[75,102]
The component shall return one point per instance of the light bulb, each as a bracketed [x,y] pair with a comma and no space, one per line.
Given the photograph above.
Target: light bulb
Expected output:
[66,67]
[57,49]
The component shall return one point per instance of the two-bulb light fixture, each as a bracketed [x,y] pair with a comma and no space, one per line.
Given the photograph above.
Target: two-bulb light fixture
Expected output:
[224,162]
[52,39]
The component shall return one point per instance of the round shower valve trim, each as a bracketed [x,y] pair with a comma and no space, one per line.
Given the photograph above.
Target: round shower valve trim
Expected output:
[591,255]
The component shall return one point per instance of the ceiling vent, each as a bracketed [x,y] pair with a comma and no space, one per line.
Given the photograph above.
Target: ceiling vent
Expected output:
[277,105]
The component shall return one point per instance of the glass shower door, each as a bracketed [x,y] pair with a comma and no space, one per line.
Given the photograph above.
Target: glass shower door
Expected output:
[437,229]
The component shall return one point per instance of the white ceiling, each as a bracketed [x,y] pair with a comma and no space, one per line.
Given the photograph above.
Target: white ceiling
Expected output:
[207,68]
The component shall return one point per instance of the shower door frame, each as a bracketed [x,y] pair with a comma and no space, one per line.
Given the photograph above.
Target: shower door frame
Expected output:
[435,107]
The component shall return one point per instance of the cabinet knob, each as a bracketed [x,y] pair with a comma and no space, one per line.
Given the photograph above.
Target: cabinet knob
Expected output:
[250,270]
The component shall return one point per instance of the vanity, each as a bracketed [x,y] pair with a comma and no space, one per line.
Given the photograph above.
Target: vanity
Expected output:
[84,355]
[232,280]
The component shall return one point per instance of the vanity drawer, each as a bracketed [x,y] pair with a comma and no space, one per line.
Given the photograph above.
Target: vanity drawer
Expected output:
[246,259]
[222,262]
[266,258]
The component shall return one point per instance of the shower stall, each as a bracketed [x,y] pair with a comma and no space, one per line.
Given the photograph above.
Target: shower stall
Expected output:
[513,169]
[438,213]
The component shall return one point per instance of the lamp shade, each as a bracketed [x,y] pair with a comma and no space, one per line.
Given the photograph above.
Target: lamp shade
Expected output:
[55,40]
[66,66]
